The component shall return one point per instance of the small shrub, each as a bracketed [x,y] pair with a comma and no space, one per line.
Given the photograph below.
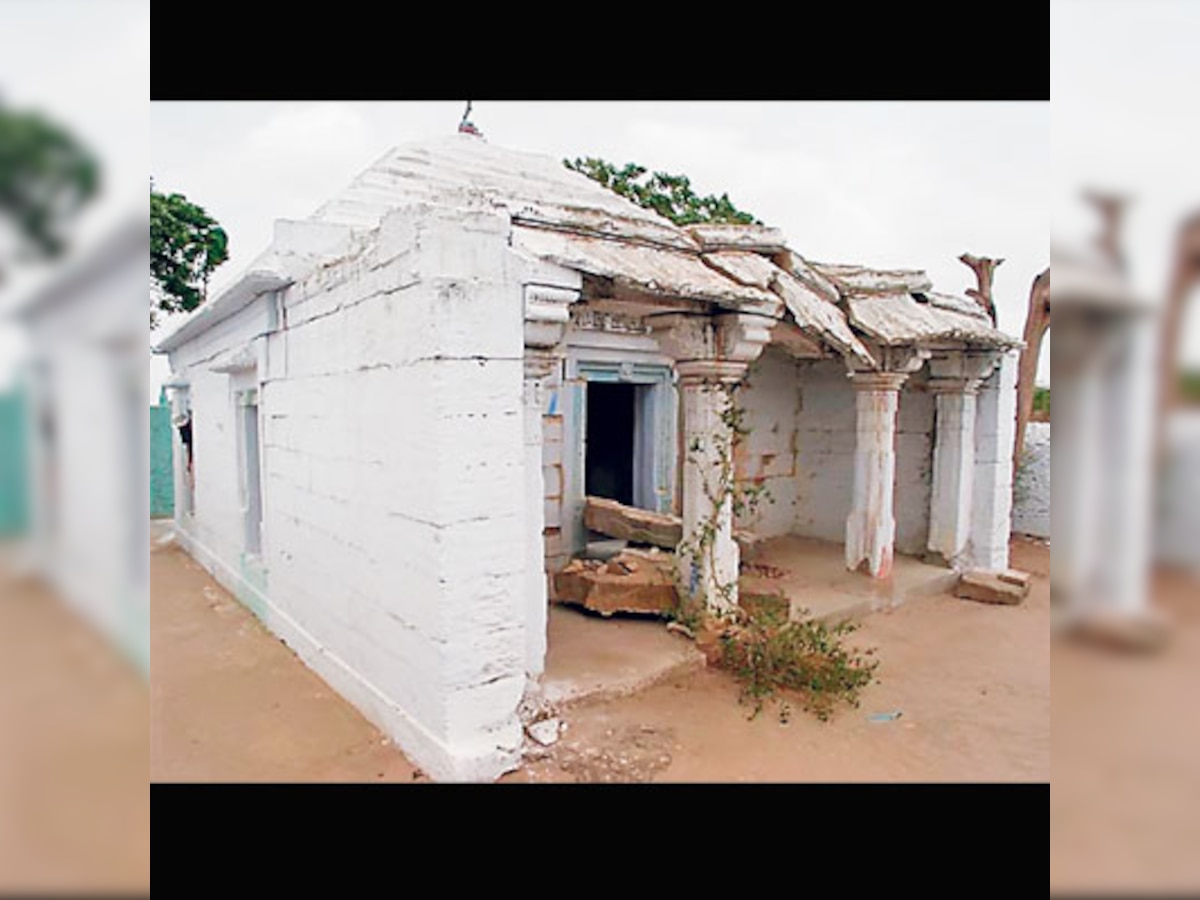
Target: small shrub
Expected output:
[768,654]
[687,612]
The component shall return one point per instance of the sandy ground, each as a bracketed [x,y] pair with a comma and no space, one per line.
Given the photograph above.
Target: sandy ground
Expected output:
[74,797]
[1126,741]
[970,681]
[232,703]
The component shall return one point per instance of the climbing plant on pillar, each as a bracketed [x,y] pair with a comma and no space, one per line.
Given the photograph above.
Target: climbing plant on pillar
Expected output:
[757,640]
[719,483]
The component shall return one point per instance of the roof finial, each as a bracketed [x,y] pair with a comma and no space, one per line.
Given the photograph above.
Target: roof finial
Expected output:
[466,126]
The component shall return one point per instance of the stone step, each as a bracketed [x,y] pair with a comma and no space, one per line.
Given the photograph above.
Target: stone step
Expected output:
[1008,588]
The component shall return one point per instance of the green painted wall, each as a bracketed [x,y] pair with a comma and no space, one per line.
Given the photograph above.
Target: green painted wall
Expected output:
[14,465]
[162,473]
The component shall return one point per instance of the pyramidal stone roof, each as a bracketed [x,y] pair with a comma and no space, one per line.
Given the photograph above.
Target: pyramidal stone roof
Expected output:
[564,217]
[465,169]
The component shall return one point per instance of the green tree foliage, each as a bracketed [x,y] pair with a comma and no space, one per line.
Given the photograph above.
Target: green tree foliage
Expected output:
[186,245]
[1041,400]
[671,196]
[1190,387]
[46,177]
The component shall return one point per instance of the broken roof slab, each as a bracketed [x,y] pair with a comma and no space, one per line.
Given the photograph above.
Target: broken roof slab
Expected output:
[812,313]
[899,318]
[721,236]
[854,279]
[652,270]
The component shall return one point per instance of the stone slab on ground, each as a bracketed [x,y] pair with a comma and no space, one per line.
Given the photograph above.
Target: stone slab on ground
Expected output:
[628,583]
[987,586]
[1146,632]
[1012,576]
[643,526]
[632,524]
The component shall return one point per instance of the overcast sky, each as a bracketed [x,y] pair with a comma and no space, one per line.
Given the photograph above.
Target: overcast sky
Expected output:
[886,184]
[86,65]
[1124,76]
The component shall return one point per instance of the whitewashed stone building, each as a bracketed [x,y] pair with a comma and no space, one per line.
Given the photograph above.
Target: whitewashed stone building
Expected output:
[394,413]
[1105,379]
[89,433]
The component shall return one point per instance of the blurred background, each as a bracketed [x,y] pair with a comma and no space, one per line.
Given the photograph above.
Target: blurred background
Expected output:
[1125,265]
[74,420]
[77,415]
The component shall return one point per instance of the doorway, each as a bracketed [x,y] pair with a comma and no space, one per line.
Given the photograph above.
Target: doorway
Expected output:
[608,463]
[620,443]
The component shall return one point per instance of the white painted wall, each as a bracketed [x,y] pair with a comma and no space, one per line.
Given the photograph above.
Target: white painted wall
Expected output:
[87,347]
[393,465]
[825,451]
[1177,493]
[1178,519]
[1031,494]
[771,398]
[825,456]
[914,465]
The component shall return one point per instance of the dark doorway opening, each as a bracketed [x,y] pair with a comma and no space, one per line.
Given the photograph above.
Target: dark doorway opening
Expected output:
[608,464]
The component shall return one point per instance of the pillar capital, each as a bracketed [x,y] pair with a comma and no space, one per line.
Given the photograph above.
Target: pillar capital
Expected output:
[895,364]
[878,381]
[723,339]
[710,371]
[960,373]
[741,337]
[547,313]
[968,386]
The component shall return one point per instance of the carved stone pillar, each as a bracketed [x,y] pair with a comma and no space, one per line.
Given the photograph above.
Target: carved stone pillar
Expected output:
[871,525]
[712,354]
[955,382]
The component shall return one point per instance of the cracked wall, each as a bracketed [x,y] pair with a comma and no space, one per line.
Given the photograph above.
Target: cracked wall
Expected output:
[393,477]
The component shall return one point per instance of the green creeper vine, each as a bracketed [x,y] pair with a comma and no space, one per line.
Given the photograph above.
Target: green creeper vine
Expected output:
[721,487]
[765,649]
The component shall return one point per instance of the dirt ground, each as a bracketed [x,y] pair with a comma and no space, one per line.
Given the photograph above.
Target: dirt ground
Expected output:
[74,797]
[970,681]
[1126,743]
[230,702]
